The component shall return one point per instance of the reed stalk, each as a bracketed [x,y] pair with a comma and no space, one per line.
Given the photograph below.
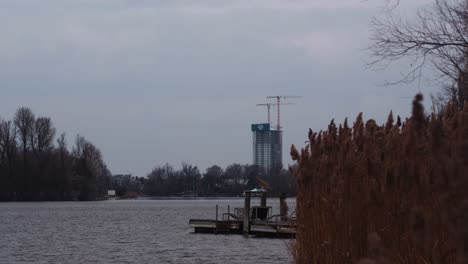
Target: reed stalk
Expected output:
[391,193]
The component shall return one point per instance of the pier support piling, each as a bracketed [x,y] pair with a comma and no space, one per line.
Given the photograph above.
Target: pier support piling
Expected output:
[263,199]
[246,212]
[283,207]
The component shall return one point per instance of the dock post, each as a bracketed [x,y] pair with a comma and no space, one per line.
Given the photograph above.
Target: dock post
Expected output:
[263,199]
[246,212]
[283,207]
[229,213]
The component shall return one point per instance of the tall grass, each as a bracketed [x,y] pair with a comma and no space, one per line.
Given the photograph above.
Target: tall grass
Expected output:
[392,193]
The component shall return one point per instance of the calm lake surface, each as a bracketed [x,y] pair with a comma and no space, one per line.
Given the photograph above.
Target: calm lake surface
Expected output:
[127,231]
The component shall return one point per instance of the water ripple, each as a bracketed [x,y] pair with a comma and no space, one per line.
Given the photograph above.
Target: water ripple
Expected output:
[133,231]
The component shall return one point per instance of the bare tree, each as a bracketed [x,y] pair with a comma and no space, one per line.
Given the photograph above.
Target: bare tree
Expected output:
[63,179]
[438,38]
[90,168]
[62,147]
[8,144]
[33,168]
[2,150]
[391,4]
[43,134]
[233,175]
[212,179]
[24,121]
[191,176]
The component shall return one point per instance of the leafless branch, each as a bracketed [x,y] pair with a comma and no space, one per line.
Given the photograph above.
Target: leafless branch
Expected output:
[437,38]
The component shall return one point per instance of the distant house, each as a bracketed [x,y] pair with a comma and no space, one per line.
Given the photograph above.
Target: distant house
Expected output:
[110,193]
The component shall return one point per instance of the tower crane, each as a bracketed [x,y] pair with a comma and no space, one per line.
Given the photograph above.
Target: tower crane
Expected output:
[278,124]
[268,106]
[278,103]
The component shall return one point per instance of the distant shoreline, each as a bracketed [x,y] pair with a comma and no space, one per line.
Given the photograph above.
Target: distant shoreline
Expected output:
[149,198]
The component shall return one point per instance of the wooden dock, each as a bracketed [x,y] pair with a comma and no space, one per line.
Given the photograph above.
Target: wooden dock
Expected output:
[258,221]
[216,226]
[286,229]
[273,228]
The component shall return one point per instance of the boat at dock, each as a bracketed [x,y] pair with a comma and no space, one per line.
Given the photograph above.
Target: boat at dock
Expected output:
[258,221]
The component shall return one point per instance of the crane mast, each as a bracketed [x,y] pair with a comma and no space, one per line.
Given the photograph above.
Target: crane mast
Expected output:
[278,103]
[278,116]
[268,105]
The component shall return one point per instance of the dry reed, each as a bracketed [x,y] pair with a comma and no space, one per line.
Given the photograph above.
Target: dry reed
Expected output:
[395,193]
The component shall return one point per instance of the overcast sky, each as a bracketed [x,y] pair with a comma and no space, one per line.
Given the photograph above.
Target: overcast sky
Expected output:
[151,82]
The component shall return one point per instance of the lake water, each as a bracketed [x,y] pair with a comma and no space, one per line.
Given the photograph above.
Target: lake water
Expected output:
[127,231]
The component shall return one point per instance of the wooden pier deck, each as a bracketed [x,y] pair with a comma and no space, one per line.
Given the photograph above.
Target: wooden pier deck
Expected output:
[216,226]
[273,228]
[257,227]
[256,220]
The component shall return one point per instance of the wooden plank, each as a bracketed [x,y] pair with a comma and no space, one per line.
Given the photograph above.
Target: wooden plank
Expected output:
[213,226]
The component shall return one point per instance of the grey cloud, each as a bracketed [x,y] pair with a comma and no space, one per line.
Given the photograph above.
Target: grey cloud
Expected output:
[169,81]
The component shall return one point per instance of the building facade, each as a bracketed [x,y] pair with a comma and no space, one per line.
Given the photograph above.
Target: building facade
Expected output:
[267,146]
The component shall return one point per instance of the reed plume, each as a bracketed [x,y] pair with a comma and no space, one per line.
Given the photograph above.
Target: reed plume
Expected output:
[391,193]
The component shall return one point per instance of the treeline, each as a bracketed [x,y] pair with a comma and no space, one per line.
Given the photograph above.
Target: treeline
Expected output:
[124,184]
[189,181]
[37,165]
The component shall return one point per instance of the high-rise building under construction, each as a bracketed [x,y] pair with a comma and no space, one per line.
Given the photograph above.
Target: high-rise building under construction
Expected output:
[267,146]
